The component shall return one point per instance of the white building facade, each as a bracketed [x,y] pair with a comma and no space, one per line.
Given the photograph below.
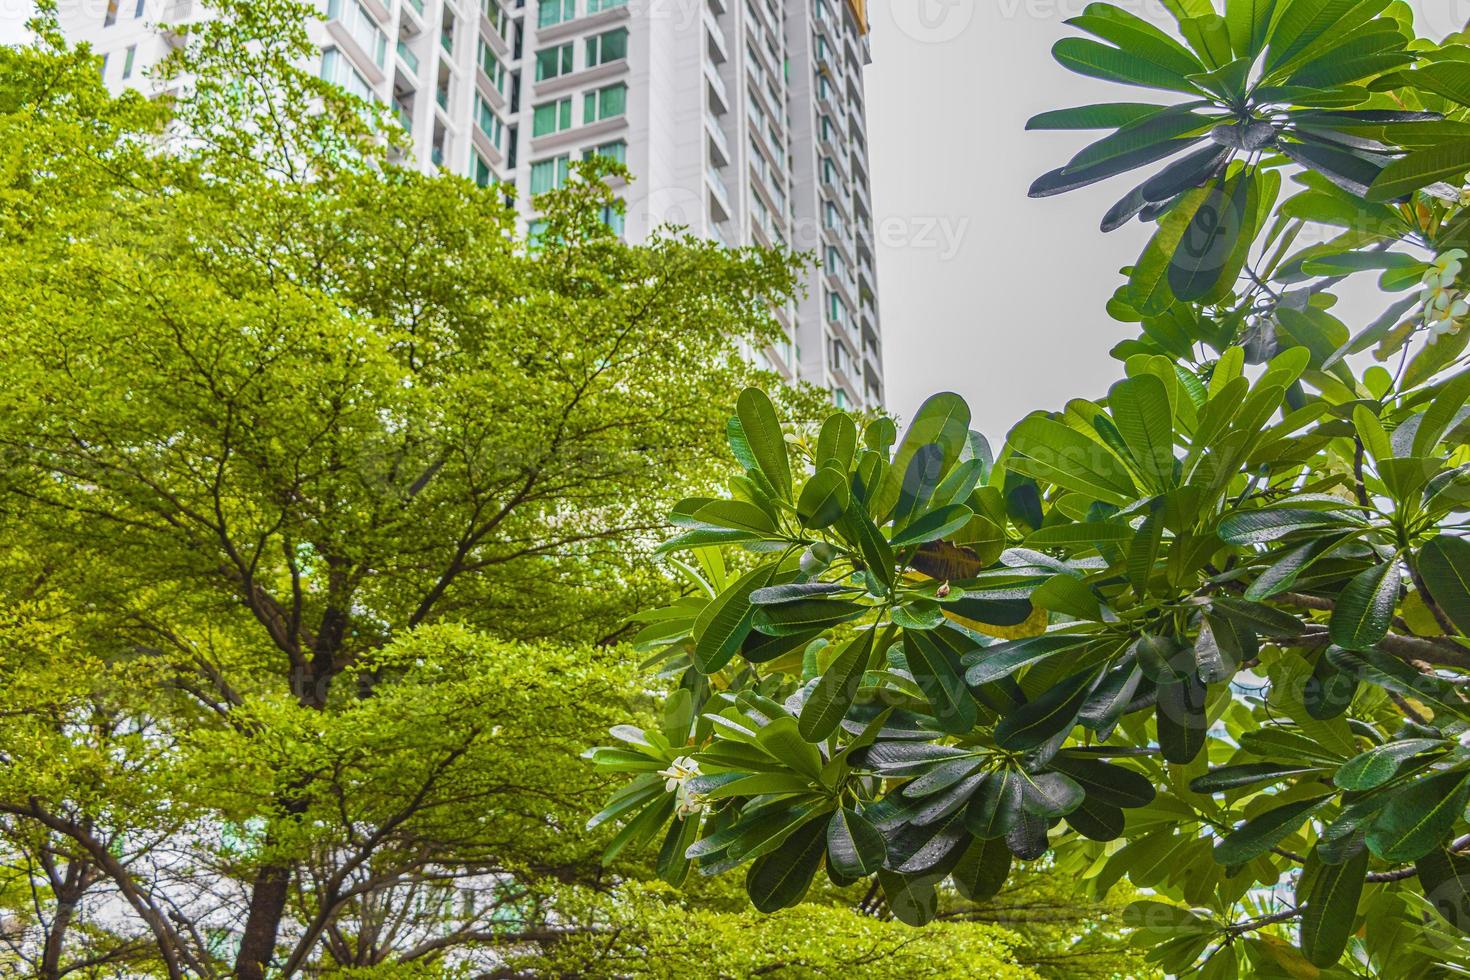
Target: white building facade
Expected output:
[743,120]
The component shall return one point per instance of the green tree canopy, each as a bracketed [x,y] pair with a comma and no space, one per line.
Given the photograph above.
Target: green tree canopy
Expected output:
[1207,633]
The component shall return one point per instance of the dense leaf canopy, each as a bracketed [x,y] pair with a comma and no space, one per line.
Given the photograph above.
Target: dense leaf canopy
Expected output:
[1207,632]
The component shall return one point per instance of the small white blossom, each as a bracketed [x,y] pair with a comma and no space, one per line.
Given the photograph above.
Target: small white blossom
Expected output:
[1465,738]
[680,771]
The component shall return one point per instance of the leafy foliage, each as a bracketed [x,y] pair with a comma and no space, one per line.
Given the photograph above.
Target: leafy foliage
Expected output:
[1207,632]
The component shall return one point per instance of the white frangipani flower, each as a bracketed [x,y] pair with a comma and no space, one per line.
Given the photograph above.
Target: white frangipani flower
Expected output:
[676,781]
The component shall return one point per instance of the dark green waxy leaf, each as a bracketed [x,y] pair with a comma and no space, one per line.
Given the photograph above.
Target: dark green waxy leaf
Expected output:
[1395,675]
[1445,878]
[833,695]
[1110,700]
[855,848]
[926,471]
[1180,712]
[910,758]
[725,622]
[1329,907]
[837,442]
[982,870]
[1050,794]
[1378,765]
[1079,534]
[1062,455]
[1004,659]
[1205,253]
[762,431]
[1163,658]
[1182,175]
[1110,115]
[1264,831]
[993,809]
[918,614]
[1444,565]
[1132,33]
[1282,574]
[937,671]
[776,594]
[912,899]
[1420,169]
[943,421]
[1349,170]
[1050,714]
[1365,608]
[943,776]
[934,525]
[1329,691]
[1246,774]
[672,866]
[1264,620]
[1141,410]
[1106,782]
[932,845]
[1027,836]
[1219,650]
[804,615]
[1088,57]
[1419,817]
[1062,180]
[1097,821]
[1248,23]
[1261,526]
[780,878]
[734,515]
[1440,417]
[860,531]
[824,498]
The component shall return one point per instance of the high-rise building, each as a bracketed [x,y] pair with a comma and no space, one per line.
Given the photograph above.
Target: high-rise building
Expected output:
[743,120]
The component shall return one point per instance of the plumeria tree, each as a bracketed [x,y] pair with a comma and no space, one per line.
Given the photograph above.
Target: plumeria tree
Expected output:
[1206,633]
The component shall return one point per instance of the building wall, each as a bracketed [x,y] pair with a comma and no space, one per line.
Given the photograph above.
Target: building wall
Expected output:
[744,121]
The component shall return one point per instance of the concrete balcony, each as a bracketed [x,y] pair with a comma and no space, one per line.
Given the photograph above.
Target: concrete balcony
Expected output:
[719,48]
[577,25]
[719,96]
[719,196]
[719,148]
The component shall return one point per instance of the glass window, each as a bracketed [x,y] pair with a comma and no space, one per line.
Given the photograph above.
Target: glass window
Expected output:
[548,175]
[361,25]
[111,17]
[536,231]
[551,117]
[550,12]
[335,69]
[551,62]
[492,67]
[488,121]
[605,103]
[497,17]
[616,151]
[128,61]
[138,10]
[481,172]
[612,216]
[597,6]
[612,46]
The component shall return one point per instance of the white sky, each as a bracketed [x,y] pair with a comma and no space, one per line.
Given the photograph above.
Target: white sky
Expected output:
[982,290]
[1012,317]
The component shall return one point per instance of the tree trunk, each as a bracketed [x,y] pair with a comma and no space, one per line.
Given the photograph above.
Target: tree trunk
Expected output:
[50,968]
[268,896]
